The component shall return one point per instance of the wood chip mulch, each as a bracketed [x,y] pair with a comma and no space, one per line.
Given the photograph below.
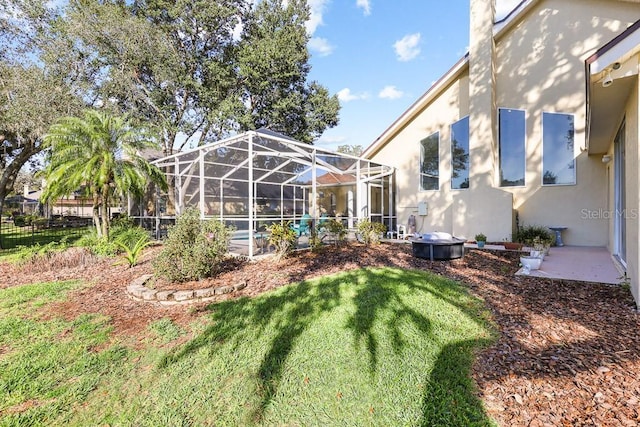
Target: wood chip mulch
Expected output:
[568,353]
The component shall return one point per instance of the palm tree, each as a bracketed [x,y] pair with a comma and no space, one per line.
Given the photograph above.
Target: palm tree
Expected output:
[100,152]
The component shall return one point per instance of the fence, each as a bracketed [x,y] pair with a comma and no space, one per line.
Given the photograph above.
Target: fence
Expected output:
[22,231]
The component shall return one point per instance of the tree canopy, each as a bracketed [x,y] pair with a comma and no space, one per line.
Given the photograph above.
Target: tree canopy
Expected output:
[34,89]
[200,70]
[193,71]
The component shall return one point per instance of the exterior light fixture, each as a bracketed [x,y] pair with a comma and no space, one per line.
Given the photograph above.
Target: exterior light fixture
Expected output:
[606,158]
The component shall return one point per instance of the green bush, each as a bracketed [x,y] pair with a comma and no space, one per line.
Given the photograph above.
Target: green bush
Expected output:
[283,238]
[480,237]
[527,234]
[371,231]
[20,221]
[128,234]
[123,233]
[194,248]
[338,230]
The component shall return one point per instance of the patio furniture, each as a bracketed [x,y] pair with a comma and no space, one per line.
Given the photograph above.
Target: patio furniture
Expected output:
[304,225]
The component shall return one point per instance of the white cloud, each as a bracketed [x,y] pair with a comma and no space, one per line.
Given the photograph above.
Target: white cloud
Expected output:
[345,95]
[316,8]
[407,47]
[390,92]
[365,5]
[321,46]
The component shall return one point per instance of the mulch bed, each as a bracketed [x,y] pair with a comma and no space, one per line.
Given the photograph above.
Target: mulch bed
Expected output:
[568,352]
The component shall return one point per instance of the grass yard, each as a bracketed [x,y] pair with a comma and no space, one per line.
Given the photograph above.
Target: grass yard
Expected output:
[12,236]
[380,346]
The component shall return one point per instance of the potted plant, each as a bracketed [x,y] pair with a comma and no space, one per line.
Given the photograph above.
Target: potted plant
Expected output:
[481,239]
[514,246]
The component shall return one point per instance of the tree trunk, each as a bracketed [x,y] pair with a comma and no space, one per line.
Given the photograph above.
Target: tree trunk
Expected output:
[105,211]
[10,173]
[96,214]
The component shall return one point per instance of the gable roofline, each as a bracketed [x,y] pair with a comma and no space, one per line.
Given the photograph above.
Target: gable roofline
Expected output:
[418,106]
[616,47]
[624,44]
[503,25]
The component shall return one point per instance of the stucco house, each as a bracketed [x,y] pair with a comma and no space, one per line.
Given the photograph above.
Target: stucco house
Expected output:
[537,125]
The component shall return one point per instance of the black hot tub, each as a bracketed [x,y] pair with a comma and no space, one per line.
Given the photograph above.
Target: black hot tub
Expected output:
[437,247]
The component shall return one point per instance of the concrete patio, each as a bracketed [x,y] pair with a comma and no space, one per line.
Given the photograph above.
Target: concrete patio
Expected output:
[580,263]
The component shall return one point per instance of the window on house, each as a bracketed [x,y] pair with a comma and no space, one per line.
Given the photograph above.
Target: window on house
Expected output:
[558,159]
[511,142]
[460,154]
[430,162]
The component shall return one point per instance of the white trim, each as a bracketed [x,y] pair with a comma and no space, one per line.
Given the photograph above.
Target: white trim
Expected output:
[627,47]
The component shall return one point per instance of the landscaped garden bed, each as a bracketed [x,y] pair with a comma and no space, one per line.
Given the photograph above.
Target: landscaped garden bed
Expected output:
[566,353]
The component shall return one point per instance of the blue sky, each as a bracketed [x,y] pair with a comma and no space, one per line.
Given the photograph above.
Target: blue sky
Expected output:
[379,56]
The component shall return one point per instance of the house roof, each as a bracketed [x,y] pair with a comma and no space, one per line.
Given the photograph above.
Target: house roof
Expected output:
[333,178]
[616,60]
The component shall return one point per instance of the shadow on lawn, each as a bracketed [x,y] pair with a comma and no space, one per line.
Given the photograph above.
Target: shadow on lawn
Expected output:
[378,304]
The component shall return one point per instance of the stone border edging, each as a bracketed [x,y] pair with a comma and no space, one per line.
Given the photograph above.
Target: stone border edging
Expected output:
[139,292]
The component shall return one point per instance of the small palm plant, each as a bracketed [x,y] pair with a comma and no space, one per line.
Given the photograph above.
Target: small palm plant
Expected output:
[132,250]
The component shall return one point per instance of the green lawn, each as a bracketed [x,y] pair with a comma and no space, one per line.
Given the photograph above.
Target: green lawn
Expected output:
[381,347]
[12,236]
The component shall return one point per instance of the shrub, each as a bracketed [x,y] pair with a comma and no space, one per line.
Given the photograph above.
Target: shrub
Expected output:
[194,248]
[371,231]
[283,238]
[98,245]
[529,234]
[480,237]
[338,230]
[128,234]
[124,233]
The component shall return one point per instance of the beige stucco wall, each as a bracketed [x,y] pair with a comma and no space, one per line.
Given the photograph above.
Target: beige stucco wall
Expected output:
[403,152]
[540,68]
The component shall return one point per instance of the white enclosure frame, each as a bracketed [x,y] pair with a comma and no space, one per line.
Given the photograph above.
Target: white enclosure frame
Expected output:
[256,178]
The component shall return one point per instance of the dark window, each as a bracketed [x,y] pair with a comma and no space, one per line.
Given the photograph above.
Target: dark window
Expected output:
[558,159]
[430,162]
[511,140]
[460,154]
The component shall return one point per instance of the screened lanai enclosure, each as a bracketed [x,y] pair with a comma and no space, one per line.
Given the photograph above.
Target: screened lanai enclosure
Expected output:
[254,179]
